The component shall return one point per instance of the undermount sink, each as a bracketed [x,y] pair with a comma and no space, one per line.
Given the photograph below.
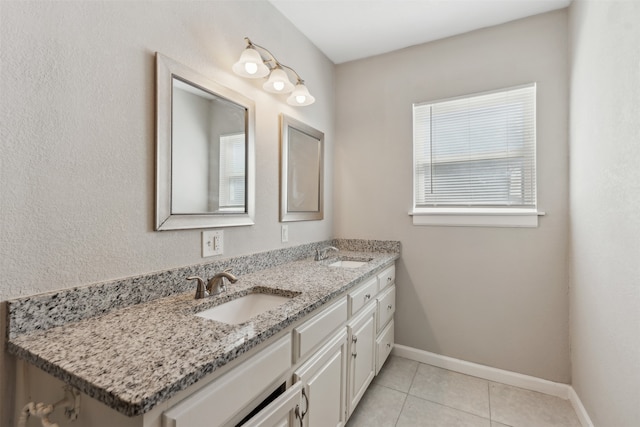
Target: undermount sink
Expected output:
[241,309]
[349,263]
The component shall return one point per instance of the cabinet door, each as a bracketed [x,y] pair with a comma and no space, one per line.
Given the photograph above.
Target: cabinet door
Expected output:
[279,412]
[324,379]
[362,363]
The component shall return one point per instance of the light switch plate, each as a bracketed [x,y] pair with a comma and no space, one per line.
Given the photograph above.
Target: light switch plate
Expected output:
[284,233]
[212,243]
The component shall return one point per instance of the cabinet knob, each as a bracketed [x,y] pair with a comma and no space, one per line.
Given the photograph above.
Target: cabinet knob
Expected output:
[389,306]
[388,345]
[367,297]
[388,279]
[354,339]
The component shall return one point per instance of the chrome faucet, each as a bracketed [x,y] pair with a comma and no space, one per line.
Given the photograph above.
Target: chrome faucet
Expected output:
[322,253]
[216,284]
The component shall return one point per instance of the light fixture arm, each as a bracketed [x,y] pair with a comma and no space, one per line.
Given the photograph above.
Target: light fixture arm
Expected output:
[273,59]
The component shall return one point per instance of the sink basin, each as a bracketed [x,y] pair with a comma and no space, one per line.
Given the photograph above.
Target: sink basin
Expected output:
[349,263]
[241,309]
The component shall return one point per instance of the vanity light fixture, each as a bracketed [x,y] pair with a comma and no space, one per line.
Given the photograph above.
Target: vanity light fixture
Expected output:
[254,64]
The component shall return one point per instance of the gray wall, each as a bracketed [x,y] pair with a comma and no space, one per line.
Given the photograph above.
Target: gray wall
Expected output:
[605,205]
[77,104]
[495,296]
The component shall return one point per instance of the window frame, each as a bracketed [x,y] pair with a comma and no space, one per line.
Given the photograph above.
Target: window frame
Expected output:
[499,215]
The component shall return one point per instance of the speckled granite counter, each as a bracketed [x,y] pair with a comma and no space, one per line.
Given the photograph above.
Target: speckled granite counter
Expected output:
[136,357]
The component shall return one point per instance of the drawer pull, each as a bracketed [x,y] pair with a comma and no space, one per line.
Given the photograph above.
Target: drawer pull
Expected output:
[354,351]
[388,345]
[367,297]
[389,307]
[388,279]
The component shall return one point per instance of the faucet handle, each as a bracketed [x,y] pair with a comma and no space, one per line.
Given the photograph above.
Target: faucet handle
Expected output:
[201,290]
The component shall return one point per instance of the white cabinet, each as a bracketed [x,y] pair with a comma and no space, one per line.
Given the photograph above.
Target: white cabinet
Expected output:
[362,295]
[311,333]
[323,377]
[384,345]
[362,341]
[386,306]
[279,412]
[228,395]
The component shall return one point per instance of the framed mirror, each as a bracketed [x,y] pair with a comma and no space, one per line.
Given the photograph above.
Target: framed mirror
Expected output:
[301,171]
[205,164]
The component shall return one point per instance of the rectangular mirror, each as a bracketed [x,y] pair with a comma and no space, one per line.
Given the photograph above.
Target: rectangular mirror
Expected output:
[301,171]
[204,151]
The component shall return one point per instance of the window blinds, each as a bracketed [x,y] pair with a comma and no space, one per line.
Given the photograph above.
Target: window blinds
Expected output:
[476,151]
[232,166]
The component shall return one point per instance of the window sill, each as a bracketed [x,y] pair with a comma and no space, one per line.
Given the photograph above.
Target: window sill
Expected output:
[476,217]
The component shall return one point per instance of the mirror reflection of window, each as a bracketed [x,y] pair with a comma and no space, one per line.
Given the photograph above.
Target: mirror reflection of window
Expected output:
[232,168]
[208,152]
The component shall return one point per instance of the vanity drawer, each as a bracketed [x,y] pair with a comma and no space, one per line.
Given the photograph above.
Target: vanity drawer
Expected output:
[226,396]
[314,331]
[386,278]
[384,345]
[362,295]
[386,306]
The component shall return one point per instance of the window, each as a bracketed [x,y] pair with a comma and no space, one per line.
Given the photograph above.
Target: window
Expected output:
[475,159]
[232,178]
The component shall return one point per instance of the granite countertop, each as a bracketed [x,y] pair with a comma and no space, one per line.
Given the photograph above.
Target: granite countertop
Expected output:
[136,357]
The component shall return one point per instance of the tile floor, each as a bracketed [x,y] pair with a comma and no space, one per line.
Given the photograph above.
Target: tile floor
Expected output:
[411,394]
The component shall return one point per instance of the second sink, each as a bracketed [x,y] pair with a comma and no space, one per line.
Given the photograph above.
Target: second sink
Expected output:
[349,263]
[241,309]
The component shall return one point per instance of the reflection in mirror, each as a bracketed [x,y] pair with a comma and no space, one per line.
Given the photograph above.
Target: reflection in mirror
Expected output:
[301,175]
[204,151]
[208,152]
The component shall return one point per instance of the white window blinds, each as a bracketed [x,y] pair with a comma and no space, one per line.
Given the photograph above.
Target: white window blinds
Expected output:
[232,165]
[476,151]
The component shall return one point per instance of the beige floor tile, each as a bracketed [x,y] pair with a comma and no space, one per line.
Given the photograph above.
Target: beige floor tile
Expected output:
[523,408]
[422,413]
[379,407]
[397,373]
[452,389]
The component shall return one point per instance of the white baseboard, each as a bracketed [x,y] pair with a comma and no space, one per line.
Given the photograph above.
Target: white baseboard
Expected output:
[563,391]
[581,412]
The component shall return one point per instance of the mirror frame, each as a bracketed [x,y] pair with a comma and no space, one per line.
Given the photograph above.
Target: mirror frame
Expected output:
[287,123]
[166,69]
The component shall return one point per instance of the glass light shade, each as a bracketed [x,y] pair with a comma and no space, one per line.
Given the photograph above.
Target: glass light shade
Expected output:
[278,82]
[300,96]
[250,65]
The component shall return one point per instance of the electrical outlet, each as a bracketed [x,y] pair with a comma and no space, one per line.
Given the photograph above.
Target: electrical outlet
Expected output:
[284,233]
[212,243]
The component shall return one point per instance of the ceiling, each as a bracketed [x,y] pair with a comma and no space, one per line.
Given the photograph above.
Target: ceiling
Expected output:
[346,30]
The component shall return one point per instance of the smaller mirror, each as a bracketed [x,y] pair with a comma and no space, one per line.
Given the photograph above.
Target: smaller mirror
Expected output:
[204,158]
[301,171]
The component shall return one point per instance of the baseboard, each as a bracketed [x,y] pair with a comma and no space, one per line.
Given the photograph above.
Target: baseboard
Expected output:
[563,391]
[581,412]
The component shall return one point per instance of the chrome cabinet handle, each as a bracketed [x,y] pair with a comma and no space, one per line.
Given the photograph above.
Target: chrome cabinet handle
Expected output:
[297,412]
[306,404]
[354,351]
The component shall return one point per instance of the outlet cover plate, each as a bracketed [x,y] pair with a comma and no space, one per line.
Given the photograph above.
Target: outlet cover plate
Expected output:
[212,243]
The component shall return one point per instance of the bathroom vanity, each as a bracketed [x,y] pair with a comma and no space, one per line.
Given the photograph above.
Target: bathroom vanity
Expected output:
[305,362]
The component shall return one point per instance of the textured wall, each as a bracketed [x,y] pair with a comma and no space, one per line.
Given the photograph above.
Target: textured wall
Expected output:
[605,201]
[77,101]
[495,296]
